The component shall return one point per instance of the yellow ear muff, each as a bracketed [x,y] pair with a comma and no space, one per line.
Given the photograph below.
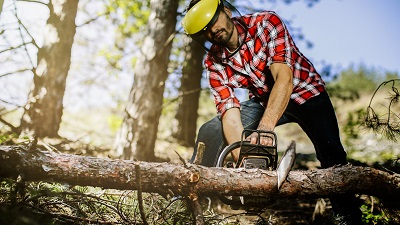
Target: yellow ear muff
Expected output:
[198,18]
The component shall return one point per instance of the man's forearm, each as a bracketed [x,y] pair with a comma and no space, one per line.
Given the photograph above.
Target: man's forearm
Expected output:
[278,101]
[232,127]
[279,97]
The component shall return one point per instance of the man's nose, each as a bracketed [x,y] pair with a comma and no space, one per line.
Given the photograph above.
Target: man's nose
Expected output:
[213,28]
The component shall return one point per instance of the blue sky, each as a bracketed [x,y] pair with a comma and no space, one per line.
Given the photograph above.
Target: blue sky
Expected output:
[346,32]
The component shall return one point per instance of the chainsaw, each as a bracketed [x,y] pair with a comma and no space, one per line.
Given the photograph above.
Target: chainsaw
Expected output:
[256,156]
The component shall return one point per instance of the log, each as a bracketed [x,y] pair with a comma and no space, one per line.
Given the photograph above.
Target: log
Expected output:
[193,180]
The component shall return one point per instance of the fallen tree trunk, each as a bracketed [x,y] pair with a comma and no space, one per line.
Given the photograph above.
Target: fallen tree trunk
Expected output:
[192,180]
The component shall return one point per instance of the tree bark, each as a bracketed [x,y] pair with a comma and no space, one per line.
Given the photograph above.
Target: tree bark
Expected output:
[192,71]
[44,108]
[138,133]
[1,5]
[193,180]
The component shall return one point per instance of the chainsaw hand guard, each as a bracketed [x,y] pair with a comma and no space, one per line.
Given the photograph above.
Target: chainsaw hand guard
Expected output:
[253,155]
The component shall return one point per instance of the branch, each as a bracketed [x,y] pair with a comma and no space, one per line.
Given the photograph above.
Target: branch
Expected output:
[18,46]
[12,127]
[163,178]
[32,1]
[93,19]
[18,71]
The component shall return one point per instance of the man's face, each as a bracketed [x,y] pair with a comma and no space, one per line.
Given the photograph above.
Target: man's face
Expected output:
[221,31]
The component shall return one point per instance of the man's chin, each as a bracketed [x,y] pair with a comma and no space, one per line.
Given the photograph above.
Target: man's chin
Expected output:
[219,41]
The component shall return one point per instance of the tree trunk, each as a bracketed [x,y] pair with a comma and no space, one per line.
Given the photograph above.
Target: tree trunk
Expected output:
[44,108]
[190,88]
[138,133]
[190,179]
[1,5]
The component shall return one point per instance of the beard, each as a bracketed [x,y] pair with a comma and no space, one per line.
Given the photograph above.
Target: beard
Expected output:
[223,35]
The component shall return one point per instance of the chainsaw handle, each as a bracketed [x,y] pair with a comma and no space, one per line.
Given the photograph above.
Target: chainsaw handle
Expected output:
[224,153]
[260,134]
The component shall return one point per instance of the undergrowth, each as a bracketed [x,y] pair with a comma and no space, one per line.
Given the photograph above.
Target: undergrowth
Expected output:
[23,203]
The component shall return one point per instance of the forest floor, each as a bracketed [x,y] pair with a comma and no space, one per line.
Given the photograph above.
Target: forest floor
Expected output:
[279,211]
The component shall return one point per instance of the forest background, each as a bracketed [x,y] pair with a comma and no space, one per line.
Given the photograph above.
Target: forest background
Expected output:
[120,79]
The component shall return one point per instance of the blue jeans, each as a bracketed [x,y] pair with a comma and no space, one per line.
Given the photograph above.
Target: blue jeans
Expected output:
[317,119]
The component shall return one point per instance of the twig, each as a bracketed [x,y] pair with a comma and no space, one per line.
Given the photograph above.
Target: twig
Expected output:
[94,19]
[196,209]
[388,127]
[180,95]
[32,145]
[139,193]
[18,71]
[22,37]
[181,159]
[15,47]
[32,1]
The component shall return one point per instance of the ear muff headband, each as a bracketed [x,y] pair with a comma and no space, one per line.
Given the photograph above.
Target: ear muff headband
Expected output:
[201,16]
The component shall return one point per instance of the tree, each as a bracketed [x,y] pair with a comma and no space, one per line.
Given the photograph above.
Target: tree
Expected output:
[137,135]
[1,5]
[188,104]
[44,108]
[192,181]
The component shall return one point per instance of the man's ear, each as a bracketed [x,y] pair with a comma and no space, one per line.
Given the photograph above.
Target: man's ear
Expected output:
[228,11]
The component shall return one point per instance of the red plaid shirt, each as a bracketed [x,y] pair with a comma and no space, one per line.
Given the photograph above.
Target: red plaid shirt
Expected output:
[268,41]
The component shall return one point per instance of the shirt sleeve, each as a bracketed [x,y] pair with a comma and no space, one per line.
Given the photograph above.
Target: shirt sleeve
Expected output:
[224,95]
[279,43]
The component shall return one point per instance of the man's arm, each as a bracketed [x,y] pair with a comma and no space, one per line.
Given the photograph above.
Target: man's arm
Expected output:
[233,128]
[277,102]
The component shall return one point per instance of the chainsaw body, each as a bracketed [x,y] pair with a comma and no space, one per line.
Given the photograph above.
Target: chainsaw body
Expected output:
[252,156]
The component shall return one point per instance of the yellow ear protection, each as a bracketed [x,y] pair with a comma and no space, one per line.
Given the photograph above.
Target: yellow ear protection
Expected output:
[201,16]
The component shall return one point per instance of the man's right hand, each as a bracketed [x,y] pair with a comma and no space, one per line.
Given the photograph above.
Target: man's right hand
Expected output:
[265,139]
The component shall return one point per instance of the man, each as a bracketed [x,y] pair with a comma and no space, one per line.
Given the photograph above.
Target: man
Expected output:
[256,52]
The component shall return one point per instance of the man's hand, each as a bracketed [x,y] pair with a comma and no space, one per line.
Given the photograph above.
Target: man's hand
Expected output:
[265,139]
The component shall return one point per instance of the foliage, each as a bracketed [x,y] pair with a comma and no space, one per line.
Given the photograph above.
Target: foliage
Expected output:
[372,213]
[354,121]
[52,203]
[63,204]
[114,122]
[6,138]
[388,123]
[130,18]
[351,91]
[351,83]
